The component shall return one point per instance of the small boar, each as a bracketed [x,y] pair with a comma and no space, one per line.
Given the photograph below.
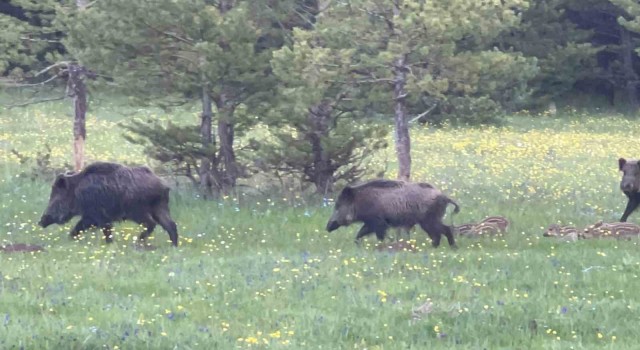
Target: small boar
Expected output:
[500,222]
[486,229]
[565,232]
[380,204]
[620,230]
[464,229]
[630,185]
[103,193]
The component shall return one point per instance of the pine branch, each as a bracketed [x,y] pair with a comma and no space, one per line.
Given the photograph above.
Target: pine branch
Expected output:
[423,114]
[55,65]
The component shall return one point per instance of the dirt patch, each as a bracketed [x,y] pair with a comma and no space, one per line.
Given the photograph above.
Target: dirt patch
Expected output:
[21,248]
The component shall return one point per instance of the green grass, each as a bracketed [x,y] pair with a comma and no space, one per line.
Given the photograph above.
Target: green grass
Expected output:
[265,274]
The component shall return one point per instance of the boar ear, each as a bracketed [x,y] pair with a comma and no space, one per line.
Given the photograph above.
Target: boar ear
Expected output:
[61,182]
[347,194]
[621,163]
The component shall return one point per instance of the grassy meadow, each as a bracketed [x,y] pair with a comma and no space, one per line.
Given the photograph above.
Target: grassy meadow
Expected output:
[264,274]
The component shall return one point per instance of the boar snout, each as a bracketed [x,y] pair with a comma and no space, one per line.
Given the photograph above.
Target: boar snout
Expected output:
[627,186]
[332,225]
[46,220]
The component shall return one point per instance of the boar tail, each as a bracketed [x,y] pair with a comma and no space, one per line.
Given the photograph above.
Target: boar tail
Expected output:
[456,210]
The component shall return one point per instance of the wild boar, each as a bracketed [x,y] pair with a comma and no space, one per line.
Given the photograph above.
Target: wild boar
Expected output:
[104,193]
[619,230]
[464,229]
[564,232]
[630,185]
[380,204]
[499,222]
[486,229]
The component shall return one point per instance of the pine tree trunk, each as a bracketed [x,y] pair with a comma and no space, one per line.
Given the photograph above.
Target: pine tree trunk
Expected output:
[206,121]
[322,172]
[77,89]
[403,142]
[227,156]
[628,53]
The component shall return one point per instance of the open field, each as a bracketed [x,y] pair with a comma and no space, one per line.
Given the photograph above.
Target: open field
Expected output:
[264,274]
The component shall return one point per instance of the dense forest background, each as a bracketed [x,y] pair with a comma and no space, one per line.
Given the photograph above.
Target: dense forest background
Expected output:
[329,78]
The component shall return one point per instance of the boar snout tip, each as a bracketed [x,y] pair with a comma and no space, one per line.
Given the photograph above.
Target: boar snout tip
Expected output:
[332,225]
[627,187]
[45,221]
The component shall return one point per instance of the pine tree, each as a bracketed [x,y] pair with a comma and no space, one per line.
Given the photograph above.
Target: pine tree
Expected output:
[612,33]
[172,51]
[411,51]
[35,55]
[323,137]
[563,51]
[30,40]
[629,21]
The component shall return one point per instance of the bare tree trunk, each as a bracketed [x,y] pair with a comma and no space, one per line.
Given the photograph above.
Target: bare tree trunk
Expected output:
[77,90]
[229,174]
[627,66]
[321,173]
[403,142]
[206,121]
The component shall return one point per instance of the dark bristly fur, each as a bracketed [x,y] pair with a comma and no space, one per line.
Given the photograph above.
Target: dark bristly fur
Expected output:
[630,185]
[103,193]
[381,204]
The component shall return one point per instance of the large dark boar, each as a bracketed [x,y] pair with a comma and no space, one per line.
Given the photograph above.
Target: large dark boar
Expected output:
[630,185]
[381,204]
[103,193]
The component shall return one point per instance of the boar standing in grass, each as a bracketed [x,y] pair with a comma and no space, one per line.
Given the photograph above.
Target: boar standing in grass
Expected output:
[103,193]
[381,204]
[630,185]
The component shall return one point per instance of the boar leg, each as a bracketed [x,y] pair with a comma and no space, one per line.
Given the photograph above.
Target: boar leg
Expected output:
[107,232]
[370,226]
[632,204]
[150,225]
[162,216]
[448,232]
[435,230]
[433,233]
[380,228]
[364,230]
[82,225]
